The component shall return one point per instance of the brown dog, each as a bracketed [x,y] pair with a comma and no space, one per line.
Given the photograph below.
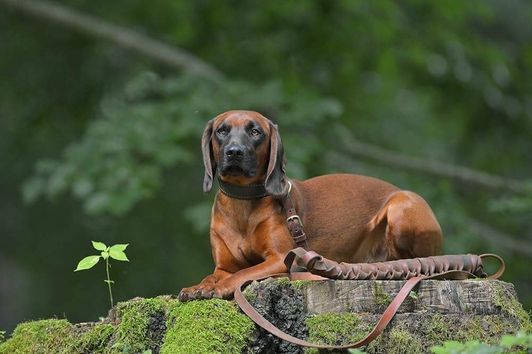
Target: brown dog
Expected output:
[348,218]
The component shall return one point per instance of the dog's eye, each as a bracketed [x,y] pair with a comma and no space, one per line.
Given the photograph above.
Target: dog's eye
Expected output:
[255,132]
[221,132]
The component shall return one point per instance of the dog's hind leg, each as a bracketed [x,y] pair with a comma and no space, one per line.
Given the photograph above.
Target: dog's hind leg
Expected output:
[410,227]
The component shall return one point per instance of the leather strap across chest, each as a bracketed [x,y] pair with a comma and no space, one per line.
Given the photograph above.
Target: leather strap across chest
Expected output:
[293,220]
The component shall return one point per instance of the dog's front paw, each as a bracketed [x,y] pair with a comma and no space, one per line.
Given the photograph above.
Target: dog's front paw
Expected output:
[185,294]
[190,293]
[205,291]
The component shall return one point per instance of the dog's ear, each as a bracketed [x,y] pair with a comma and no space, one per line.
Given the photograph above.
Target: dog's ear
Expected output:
[208,159]
[275,183]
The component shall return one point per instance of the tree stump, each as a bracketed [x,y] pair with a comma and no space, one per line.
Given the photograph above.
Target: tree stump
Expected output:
[332,312]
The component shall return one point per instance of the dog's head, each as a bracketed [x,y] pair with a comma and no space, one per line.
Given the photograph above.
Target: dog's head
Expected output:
[244,148]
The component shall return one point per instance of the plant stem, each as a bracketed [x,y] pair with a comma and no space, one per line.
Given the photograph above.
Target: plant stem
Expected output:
[109,281]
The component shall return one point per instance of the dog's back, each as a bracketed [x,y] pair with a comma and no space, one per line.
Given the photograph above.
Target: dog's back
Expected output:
[346,217]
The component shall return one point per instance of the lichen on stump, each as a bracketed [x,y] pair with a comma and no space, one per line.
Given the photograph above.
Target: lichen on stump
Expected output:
[333,312]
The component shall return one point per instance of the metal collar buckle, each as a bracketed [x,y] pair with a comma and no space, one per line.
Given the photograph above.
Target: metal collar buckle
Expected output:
[294,217]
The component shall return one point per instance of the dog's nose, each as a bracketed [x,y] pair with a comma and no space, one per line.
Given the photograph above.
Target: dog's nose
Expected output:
[234,151]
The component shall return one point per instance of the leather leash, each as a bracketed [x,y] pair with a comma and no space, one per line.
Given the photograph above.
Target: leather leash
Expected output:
[377,330]
[322,269]
[386,317]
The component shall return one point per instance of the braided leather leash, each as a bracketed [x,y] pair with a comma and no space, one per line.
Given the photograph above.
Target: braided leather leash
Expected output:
[456,267]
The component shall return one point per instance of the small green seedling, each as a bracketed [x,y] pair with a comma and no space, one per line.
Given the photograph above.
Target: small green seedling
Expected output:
[114,252]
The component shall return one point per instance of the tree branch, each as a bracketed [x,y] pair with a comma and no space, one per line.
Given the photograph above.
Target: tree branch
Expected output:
[499,238]
[434,168]
[123,37]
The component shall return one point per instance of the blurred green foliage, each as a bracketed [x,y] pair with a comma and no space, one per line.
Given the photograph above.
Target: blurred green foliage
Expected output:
[85,121]
[154,124]
[518,343]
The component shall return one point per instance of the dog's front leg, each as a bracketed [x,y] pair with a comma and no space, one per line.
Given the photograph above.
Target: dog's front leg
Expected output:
[204,289]
[225,288]
[222,284]
[270,244]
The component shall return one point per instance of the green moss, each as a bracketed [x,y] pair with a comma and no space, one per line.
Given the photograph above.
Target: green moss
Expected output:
[439,330]
[381,298]
[300,284]
[45,336]
[334,328]
[487,329]
[214,326]
[133,331]
[508,304]
[249,294]
[396,341]
[472,330]
[56,336]
[209,326]
[94,340]
[484,328]
[282,281]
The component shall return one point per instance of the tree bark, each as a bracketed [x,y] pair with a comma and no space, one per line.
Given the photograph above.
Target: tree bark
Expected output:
[126,38]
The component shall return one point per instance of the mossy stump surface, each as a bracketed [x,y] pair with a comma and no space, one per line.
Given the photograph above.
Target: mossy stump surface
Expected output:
[332,312]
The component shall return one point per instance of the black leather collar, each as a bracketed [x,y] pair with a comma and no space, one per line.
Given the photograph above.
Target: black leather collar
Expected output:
[253,191]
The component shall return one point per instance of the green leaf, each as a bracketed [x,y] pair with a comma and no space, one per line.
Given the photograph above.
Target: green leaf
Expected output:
[105,254]
[87,263]
[521,339]
[117,253]
[100,246]
[508,341]
[120,247]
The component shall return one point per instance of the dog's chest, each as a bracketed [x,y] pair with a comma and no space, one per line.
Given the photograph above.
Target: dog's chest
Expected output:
[239,239]
[240,224]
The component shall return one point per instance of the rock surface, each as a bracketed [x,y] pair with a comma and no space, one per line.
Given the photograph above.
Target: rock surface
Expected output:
[332,312]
